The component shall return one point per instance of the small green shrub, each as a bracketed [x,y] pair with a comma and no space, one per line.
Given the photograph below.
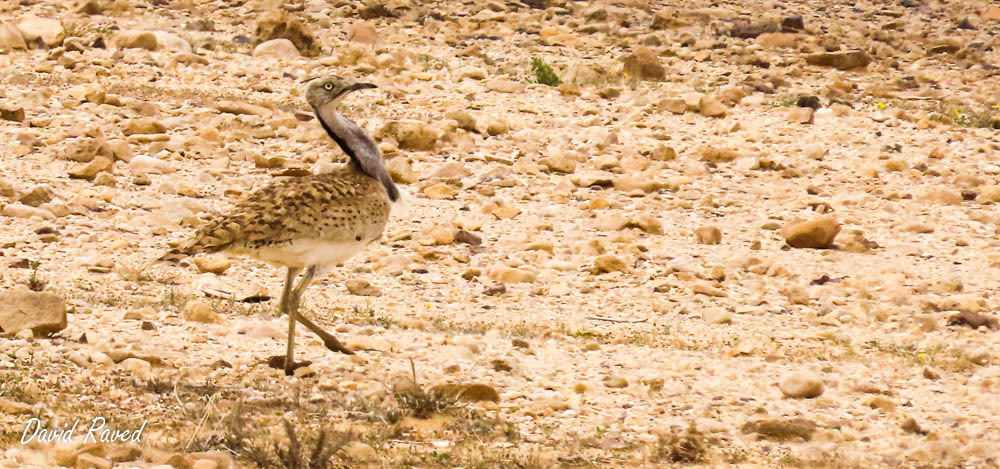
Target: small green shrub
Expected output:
[544,73]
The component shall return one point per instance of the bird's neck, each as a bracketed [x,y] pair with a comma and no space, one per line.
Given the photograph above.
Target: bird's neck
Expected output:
[359,146]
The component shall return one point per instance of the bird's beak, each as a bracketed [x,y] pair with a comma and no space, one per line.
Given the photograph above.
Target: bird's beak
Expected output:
[359,86]
[307,80]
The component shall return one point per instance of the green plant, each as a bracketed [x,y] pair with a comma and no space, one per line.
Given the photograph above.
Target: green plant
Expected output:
[34,284]
[544,73]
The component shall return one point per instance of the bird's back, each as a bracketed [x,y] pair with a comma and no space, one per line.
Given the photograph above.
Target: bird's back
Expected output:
[343,210]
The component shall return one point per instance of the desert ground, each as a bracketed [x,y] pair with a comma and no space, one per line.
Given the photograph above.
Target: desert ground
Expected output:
[636,234]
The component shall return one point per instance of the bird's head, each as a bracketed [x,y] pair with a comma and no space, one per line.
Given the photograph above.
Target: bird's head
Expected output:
[320,91]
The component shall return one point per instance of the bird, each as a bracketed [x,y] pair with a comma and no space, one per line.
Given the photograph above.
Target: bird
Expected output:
[311,223]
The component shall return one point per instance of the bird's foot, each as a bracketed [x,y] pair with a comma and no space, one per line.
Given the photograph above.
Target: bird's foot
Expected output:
[335,346]
[278,362]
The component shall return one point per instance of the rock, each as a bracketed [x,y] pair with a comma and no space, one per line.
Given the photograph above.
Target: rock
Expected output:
[15,114]
[84,150]
[708,235]
[647,223]
[778,40]
[409,134]
[358,451]
[132,39]
[91,461]
[276,48]
[120,149]
[362,288]
[815,234]
[277,24]
[840,60]
[26,211]
[747,30]
[42,312]
[644,65]
[171,42]
[559,163]
[980,356]
[663,153]
[793,23]
[465,120]
[89,171]
[143,126]
[717,315]
[608,263]
[800,115]
[472,392]
[46,30]
[510,275]
[201,311]
[674,105]
[11,38]
[504,85]
[616,382]
[144,165]
[137,367]
[494,126]
[711,107]
[910,425]
[991,14]
[801,385]
[439,191]
[718,155]
[38,195]
[781,429]
[943,195]
[400,170]
[974,320]
[213,264]
[362,32]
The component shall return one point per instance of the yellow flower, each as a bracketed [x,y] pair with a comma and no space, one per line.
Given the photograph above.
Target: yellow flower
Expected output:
[881,105]
[922,357]
[956,112]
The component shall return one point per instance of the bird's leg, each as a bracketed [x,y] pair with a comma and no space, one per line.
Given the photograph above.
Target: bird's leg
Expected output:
[292,310]
[329,340]
[289,281]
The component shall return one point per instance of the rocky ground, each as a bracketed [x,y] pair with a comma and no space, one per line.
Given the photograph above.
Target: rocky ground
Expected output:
[639,234]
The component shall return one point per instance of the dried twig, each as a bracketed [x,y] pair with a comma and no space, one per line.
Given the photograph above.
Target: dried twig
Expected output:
[617,321]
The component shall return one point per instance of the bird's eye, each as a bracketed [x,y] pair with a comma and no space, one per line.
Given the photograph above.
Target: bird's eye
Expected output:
[328,86]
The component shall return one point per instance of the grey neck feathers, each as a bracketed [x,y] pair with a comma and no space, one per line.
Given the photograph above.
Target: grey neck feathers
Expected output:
[359,146]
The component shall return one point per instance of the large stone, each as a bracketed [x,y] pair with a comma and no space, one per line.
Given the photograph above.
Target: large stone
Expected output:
[49,31]
[801,385]
[277,24]
[816,234]
[644,65]
[89,171]
[840,60]
[171,42]
[409,134]
[85,149]
[42,312]
[11,38]
[280,48]
[401,171]
[144,165]
[132,39]
[510,275]
[26,211]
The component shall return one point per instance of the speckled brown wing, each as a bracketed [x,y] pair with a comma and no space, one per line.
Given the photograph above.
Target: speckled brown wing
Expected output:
[339,206]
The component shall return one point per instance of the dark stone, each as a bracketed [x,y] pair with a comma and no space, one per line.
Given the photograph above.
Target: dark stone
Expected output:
[808,101]
[792,24]
[745,30]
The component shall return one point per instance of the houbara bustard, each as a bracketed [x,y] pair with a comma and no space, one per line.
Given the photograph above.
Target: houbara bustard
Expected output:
[311,223]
